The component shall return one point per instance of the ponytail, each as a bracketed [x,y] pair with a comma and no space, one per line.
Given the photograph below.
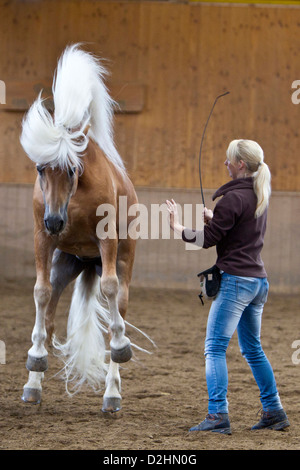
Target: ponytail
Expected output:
[262,188]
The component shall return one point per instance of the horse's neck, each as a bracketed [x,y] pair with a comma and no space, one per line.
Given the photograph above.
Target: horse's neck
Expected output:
[96,167]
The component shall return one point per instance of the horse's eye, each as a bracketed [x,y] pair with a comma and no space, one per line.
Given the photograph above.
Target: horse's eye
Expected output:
[72,171]
[40,169]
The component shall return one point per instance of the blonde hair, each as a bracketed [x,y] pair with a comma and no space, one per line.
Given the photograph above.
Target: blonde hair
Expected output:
[253,156]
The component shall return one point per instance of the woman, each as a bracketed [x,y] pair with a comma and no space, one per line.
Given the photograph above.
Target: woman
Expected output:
[237,228]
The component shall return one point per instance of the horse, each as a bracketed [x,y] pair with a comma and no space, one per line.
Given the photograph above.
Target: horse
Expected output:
[78,170]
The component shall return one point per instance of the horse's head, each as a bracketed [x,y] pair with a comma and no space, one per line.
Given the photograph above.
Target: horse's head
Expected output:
[58,186]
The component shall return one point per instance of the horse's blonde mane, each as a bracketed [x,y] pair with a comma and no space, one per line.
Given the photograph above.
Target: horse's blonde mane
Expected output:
[80,98]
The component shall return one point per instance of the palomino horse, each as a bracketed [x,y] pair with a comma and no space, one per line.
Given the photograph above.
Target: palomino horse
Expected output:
[79,169]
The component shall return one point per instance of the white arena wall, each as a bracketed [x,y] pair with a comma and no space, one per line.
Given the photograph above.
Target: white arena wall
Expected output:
[159,263]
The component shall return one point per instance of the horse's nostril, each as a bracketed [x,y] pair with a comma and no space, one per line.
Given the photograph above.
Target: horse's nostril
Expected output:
[60,225]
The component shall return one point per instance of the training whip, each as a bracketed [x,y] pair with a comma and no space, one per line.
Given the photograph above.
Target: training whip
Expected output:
[211,111]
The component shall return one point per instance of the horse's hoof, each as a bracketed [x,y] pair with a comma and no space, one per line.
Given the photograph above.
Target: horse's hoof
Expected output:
[37,364]
[111,405]
[32,396]
[121,355]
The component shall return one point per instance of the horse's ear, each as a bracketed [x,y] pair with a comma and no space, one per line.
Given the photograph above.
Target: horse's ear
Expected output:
[86,129]
[84,133]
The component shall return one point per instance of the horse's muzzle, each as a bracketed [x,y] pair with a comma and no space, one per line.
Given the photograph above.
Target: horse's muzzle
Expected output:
[54,224]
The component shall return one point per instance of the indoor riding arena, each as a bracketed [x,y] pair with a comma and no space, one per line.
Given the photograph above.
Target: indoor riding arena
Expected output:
[167,61]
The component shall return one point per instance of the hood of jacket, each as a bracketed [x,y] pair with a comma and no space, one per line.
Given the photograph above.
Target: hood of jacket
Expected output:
[239,183]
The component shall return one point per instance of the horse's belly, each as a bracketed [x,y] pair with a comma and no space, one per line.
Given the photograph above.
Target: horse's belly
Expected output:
[81,250]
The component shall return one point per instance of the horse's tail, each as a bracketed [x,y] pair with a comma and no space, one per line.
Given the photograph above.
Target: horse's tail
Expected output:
[81,98]
[83,353]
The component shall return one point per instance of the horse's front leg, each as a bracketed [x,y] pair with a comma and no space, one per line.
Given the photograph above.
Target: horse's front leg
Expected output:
[112,395]
[119,343]
[37,361]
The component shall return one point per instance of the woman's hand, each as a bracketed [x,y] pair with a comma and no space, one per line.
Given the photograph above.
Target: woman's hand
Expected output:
[174,218]
[172,209]
[207,215]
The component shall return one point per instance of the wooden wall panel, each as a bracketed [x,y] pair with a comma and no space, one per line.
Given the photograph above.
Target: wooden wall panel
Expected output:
[184,54]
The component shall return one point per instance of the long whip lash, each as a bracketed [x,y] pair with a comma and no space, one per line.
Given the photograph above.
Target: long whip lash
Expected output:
[211,111]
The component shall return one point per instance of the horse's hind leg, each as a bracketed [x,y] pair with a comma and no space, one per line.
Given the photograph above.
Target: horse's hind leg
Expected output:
[64,269]
[112,396]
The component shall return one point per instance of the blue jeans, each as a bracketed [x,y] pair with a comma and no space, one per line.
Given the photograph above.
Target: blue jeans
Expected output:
[238,305]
